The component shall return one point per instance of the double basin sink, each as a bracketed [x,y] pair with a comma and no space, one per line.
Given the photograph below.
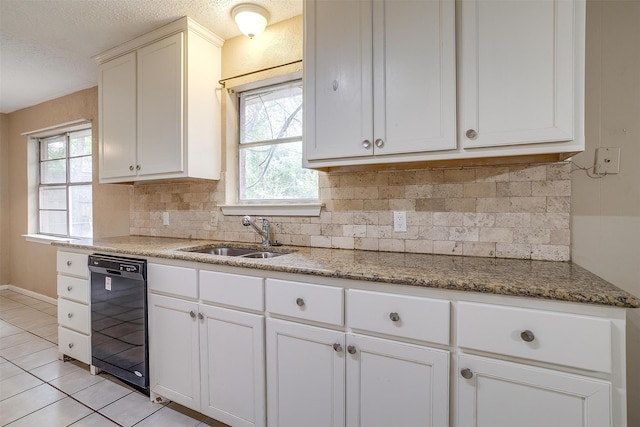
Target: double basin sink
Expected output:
[234,251]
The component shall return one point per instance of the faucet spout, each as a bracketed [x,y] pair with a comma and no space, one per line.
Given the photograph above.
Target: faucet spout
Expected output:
[262,231]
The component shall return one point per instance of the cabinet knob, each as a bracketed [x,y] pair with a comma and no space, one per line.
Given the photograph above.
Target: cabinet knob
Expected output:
[337,347]
[334,85]
[70,345]
[351,349]
[137,167]
[200,316]
[69,263]
[527,336]
[394,316]
[379,143]
[192,314]
[130,167]
[69,288]
[366,144]
[466,373]
[300,302]
[471,133]
[69,315]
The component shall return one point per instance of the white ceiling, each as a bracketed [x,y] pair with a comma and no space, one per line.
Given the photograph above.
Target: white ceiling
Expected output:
[46,45]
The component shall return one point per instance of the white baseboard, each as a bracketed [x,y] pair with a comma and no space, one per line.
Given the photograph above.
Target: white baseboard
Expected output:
[30,294]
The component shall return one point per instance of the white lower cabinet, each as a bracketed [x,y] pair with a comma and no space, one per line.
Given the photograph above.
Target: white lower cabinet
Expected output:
[390,383]
[305,375]
[493,393]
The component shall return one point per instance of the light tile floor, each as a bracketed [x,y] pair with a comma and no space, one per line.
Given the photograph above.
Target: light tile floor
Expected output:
[37,389]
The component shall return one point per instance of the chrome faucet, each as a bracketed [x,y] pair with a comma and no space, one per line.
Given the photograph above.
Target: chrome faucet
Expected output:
[263,232]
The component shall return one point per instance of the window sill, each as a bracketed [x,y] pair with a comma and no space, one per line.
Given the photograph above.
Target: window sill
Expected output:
[44,239]
[303,209]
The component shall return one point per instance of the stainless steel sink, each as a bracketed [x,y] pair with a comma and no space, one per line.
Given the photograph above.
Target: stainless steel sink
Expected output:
[234,251]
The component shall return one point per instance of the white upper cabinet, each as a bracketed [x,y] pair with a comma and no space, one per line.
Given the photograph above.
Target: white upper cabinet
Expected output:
[379,79]
[518,60]
[159,110]
[417,81]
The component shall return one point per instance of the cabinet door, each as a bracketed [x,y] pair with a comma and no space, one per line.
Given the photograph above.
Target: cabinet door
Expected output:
[391,383]
[117,101]
[338,98]
[173,350]
[232,366]
[305,375]
[414,76]
[497,393]
[160,107]
[517,62]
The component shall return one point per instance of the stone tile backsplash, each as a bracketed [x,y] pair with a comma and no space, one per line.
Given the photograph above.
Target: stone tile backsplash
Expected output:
[489,211]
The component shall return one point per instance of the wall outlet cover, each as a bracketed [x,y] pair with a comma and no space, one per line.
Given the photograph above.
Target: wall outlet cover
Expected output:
[399,221]
[607,161]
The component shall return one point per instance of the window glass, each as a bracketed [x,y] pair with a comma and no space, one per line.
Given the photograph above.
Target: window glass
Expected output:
[270,151]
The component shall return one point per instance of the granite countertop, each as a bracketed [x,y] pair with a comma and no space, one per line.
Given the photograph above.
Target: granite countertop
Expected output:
[562,281]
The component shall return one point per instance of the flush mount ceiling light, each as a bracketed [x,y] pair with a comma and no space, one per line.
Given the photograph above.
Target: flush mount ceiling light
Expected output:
[250,18]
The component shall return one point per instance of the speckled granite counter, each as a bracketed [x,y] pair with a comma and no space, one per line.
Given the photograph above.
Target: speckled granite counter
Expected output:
[537,279]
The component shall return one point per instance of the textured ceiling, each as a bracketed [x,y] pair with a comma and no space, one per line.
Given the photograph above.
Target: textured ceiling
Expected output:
[46,45]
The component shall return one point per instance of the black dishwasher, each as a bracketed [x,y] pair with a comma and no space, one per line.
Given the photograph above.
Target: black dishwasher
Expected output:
[119,343]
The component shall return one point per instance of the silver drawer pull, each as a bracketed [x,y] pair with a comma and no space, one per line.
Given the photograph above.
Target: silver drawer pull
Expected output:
[69,263]
[471,133]
[394,316]
[351,349]
[192,314]
[70,345]
[69,288]
[130,167]
[379,143]
[300,302]
[69,315]
[527,336]
[337,347]
[200,316]
[466,373]
[366,144]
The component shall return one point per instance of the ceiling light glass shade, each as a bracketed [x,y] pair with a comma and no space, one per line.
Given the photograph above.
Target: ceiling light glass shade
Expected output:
[250,18]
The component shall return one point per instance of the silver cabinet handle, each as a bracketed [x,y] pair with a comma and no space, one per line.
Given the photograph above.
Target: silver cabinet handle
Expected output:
[200,316]
[130,167]
[351,349]
[394,316]
[70,345]
[137,167]
[527,336]
[379,143]
[69,263]
[69,315]
[192,314]
[69,288]
[337,347]
[466,373]
[300,302]
[366,144]
[471,133]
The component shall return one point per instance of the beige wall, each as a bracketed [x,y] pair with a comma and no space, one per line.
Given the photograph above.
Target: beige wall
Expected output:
[606,212]
[4,196]
[32,265]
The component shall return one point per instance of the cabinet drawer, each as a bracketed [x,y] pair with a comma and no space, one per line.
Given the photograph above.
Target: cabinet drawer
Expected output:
[311,302]
[73,288]
[74,315]
[404,316]
[565,339]
[74,344]
[178,281]
[72,263]
[232,289]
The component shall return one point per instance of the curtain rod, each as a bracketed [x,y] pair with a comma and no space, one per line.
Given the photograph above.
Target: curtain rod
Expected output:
[222,82]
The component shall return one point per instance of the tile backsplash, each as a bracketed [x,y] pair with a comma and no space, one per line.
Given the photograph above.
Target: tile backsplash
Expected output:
[488,211]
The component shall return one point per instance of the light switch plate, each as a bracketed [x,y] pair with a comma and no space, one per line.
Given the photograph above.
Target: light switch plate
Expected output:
[607,161]
[165,218]
[399,221]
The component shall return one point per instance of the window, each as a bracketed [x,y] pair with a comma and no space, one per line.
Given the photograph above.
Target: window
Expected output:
[270,149]
[64,185]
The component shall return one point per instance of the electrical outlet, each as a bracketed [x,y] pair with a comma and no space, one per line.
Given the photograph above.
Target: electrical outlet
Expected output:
[399,221]
[165,218]
[214,219]
[607,161]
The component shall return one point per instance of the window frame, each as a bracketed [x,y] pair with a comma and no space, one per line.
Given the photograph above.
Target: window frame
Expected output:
[67,184]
